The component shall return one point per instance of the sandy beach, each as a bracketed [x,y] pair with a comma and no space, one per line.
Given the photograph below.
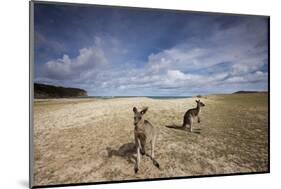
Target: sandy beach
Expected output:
[91,140]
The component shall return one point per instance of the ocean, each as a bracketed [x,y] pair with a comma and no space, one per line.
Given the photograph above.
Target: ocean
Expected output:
[152,97]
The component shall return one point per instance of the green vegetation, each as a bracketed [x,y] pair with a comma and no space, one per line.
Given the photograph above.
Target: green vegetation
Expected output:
[49,91]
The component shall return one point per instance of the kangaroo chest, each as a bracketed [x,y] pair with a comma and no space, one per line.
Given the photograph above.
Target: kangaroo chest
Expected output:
[198,111]
[193,112]
[140,132]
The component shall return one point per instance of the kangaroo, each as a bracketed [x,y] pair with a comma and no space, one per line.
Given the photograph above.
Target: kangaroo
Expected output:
[144,133]
[191,114]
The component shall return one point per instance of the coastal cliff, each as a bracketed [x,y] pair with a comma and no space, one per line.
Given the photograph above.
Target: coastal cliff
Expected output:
[50,91]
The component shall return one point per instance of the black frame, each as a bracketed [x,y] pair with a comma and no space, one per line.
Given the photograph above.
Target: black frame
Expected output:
[31,95]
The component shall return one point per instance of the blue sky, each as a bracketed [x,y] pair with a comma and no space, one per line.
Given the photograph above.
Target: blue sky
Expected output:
[121,51]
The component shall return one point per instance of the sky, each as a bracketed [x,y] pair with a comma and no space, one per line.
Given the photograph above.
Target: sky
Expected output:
[148,52]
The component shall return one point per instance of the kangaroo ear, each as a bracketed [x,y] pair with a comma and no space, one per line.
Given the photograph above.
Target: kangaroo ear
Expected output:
[196,101]
[144,110]
[135,110]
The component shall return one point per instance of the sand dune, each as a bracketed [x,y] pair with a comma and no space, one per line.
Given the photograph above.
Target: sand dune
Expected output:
[91,140]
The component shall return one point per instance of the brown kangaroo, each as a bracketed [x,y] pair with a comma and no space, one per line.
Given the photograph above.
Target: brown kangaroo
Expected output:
[144,133]
[191,114]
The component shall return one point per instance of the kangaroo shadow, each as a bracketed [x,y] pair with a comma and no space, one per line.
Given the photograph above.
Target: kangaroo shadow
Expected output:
[180,127]
[126,151]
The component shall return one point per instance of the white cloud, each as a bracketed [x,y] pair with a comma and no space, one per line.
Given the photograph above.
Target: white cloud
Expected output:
[176,75]
[69,68]
[229,61]
[42,41]
[177,57]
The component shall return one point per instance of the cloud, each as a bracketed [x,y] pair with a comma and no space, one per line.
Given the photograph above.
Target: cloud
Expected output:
[180,70]
[41,41]
[176,57]
[176,75]
[88,61]
[213,55]
[71,68]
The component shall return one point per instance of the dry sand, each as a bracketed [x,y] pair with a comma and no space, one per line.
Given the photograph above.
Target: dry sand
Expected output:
[91,140]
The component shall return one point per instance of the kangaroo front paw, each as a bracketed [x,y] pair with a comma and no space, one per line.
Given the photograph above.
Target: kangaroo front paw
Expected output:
[136,170]
[156,164]
[198,121]
[142,152]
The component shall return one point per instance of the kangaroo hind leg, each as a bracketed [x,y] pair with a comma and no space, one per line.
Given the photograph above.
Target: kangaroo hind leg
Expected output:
[190,123]
[138,156]
[152,153]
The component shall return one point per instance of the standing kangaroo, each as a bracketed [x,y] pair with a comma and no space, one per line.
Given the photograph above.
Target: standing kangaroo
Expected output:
[191,114]
[144,133]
